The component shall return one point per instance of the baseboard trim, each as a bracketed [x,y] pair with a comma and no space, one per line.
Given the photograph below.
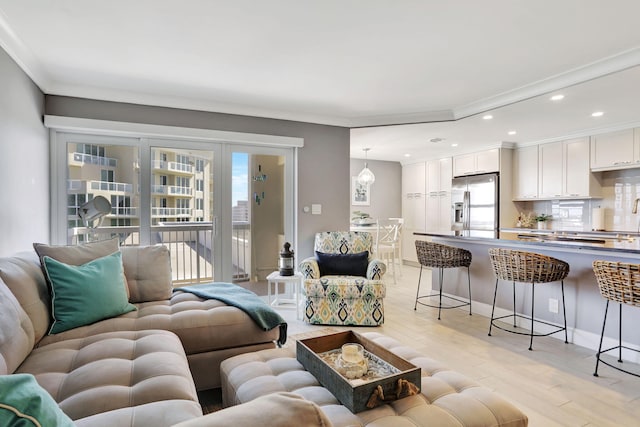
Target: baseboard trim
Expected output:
[575,336]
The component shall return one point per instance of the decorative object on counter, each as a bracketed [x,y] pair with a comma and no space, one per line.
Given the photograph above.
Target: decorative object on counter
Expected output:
[525,220]
[362,218]
[597,219]
[618,283]
[286,261]
[366,177]
[542,221]
[527,267]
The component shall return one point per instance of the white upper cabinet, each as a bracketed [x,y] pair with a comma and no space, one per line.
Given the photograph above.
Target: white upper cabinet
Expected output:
[551,160]
[564,170]
[475,163]
[413,178]
[446,173]
[578,179]
[525,172]
[488,161]
[439,174]
[615,150]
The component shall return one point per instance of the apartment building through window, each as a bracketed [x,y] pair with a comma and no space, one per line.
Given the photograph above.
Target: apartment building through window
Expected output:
[162,191]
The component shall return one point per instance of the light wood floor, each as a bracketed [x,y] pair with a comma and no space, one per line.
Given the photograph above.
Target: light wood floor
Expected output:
[553,384]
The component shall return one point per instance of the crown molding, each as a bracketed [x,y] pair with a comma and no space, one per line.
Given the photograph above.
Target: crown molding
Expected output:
[600,68]
[583,133]
[130,129]
[402,119]
[28,62]
[22,55]
[611,64]
[199,104]
[502,144]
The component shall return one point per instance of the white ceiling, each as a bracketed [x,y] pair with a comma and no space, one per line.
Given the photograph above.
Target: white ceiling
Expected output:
[349,63]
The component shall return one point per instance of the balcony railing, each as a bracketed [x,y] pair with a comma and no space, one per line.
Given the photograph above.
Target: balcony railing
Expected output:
[80,185]
[80,159]
[180,191]
[126,212]
[241,251]
[173,166]
[115,187]
[190,245]
[170,212]
[159,189]
[172,190]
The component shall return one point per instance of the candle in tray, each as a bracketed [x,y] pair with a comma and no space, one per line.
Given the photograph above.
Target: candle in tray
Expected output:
[352,353]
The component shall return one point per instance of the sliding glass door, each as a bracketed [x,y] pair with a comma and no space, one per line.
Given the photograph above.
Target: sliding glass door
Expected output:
[261,209]
[223,210]
[182,212]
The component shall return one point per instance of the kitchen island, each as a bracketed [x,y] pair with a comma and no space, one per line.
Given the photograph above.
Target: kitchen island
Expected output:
[584,304]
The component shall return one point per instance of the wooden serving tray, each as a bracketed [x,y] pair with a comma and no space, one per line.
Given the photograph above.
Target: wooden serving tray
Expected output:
[361,396]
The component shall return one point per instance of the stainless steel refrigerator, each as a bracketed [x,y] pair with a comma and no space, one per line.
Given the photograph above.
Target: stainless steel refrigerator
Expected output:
[474,205]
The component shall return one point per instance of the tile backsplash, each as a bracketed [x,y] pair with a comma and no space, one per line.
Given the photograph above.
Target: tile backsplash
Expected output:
[619,190]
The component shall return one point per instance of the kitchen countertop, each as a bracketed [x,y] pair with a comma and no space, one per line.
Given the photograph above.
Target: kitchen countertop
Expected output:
[574,241]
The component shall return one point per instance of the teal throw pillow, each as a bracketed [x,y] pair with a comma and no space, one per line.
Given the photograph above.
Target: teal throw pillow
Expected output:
[86,293]
[23,403]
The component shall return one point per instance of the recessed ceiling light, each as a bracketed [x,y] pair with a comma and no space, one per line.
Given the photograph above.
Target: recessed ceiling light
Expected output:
[512,132]
[487,117]
[454,145]
[436,140]
[557,97]
[407,155]
[597,114]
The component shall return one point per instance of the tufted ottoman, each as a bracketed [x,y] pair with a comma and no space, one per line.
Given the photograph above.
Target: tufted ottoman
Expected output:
[447,399]
[117,378]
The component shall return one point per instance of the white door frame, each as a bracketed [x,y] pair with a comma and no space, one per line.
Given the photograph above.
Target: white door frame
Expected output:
[145,135]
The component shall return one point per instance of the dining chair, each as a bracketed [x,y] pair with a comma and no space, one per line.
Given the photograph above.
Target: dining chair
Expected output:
[389,244]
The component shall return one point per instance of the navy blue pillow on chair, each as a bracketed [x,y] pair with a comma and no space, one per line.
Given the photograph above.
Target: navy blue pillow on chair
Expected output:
[343,264]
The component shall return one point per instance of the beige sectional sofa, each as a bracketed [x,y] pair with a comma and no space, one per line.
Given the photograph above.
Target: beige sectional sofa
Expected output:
[143,368]
[139,368]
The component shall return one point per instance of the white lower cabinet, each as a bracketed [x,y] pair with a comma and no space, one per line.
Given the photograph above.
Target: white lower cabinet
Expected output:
[438,214]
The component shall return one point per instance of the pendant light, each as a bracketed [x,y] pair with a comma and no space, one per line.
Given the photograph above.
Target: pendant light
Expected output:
[366,177]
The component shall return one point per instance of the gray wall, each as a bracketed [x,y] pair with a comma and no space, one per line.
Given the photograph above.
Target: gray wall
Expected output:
[24,161]
[323,162]
[386,192]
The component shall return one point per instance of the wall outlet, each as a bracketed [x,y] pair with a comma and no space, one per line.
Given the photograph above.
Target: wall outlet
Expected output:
[553,305]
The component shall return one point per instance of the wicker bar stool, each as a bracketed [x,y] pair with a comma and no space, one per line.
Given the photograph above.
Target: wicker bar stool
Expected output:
[436,255]
[527,267]
[618,282]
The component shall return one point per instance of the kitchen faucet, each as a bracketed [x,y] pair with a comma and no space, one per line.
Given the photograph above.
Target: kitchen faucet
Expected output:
[634,210]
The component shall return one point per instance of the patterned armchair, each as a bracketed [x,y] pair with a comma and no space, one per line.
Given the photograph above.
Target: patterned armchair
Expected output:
[342,299]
